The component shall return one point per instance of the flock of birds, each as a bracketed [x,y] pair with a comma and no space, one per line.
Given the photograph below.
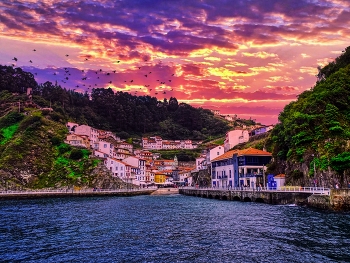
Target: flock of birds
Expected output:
[103,78]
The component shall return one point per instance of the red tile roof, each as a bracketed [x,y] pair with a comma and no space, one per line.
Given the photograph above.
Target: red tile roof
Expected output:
[248,151]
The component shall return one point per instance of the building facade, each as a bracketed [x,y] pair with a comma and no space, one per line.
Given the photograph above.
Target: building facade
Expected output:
[240,168]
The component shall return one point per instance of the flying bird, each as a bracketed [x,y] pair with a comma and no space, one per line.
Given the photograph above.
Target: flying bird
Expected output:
[67,55]
[30,61]
[15,59]
[34,49]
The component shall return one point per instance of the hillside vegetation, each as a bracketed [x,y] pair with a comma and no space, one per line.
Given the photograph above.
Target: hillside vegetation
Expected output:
[119,112]
[311,141]
[32,149]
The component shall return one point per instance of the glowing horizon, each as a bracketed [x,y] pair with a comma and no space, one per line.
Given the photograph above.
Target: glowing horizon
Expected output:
[247,58]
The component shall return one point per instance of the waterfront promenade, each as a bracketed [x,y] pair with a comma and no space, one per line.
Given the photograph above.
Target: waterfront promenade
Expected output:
[88,192]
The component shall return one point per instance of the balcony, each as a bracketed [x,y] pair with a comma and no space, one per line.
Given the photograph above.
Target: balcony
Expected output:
[251,175]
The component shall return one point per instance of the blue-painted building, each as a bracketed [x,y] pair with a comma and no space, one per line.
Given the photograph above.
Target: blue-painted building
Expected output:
[239,168]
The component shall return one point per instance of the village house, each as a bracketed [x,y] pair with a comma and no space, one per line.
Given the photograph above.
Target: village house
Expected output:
[239,168]
[159,178]
[152,143]
[260,130]
[213,153]
[235,137]
[120,169]
[163,164]
[157,143]
[144,154]
[86,130]
[141,169]
[78,140]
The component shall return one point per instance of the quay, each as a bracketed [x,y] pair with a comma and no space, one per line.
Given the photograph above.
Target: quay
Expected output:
[61,193]
[297,195]
[314,197]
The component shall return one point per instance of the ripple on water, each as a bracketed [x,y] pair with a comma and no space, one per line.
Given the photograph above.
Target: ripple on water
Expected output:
[168,229]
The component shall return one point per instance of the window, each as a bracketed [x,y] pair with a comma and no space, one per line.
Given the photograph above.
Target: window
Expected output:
[217,153]
[230,173]
[105,146]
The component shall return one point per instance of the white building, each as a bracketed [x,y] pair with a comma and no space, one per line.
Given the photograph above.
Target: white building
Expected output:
[235,137]
[141,172]
[213,153]
[92,133]
[238,168]
[280,180]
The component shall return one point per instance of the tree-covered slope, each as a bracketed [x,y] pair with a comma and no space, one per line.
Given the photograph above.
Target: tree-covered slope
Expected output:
[119,112]
[33,154]
[311,141]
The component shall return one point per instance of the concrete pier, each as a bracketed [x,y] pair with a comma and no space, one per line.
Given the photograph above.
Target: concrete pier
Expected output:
[8,195]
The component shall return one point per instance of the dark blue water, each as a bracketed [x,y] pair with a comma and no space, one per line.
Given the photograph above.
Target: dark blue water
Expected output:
[168,229]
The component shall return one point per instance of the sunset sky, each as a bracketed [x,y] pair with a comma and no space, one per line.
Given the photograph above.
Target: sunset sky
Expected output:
[244,57]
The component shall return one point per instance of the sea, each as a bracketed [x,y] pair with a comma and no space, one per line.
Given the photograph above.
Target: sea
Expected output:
[173,228]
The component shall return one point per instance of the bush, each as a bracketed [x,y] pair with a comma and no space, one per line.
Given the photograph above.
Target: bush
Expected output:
[29,121]
[76,154]
[55,141]
[63,148]
[10,119]
[56,116]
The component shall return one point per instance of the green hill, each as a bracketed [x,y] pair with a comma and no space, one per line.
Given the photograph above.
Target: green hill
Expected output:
[311,141]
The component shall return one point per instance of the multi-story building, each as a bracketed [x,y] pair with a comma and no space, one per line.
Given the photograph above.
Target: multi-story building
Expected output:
[152,143]
[86,130]
[157,143]
[119,169]
[141,172]
[238,168]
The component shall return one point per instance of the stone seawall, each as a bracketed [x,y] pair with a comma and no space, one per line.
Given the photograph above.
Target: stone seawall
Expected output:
[338,200]
[269,197]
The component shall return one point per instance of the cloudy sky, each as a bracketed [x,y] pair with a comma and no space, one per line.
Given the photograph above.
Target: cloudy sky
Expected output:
[244,57]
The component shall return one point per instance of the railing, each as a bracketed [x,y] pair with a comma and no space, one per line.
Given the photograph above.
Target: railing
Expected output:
[250,175]
[295,189]
[87,190]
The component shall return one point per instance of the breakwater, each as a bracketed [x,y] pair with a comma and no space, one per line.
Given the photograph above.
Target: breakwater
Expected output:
[73,193]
